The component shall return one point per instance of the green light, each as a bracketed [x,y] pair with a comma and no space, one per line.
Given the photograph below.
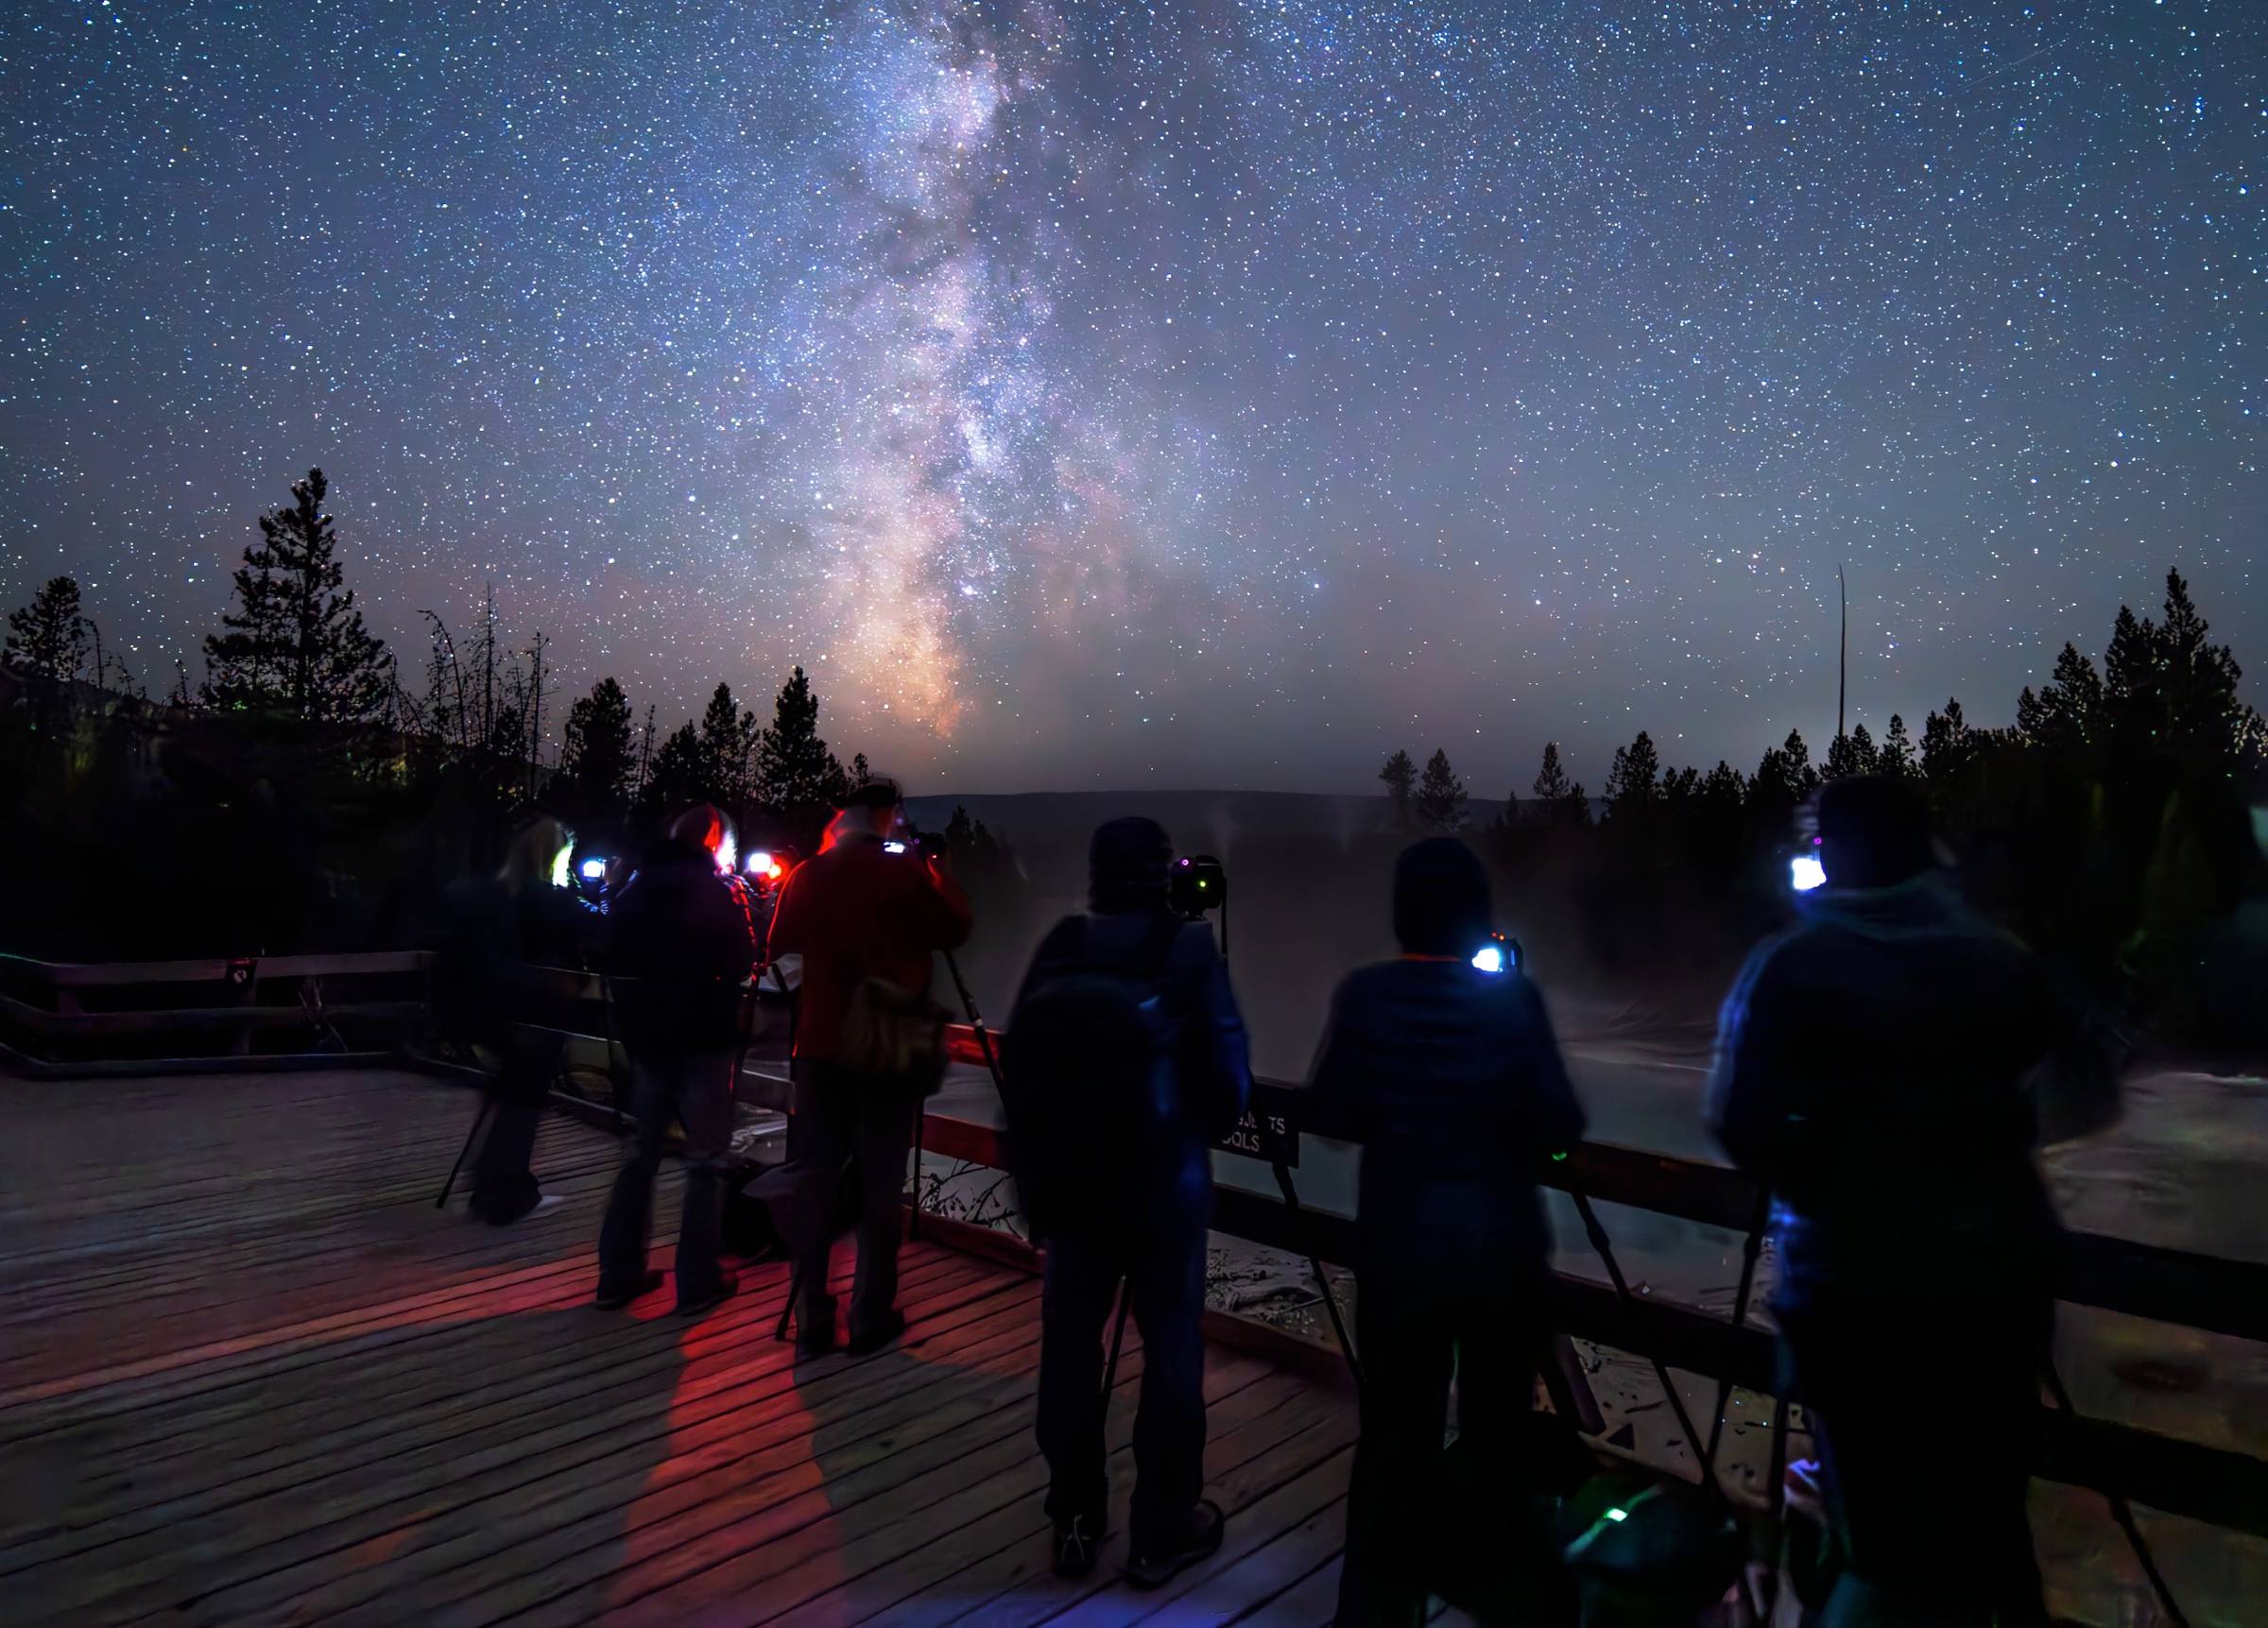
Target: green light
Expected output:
[1618,1514]
[1558,1159]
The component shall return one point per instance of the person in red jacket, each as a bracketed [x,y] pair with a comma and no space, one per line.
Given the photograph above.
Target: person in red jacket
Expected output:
[868,906]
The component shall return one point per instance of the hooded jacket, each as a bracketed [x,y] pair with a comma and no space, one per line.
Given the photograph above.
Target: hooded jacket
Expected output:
[1877,1068]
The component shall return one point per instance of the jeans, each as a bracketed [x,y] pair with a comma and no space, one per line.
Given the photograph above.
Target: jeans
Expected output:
[867,1123]
[1926,1481]
[1165,1270]
[697,1090]
[1415,1322]
[504,1187]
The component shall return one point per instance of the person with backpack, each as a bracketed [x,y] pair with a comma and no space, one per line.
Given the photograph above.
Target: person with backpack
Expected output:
[1452,1079]
[1125,1060]
[681,947]
[1886,1067]
[867,913]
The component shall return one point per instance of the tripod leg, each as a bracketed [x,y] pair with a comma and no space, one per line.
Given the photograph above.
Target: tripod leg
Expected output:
[479,1118]
[913,1220]
[795,1287]
[1118,1338]
[1330,1301]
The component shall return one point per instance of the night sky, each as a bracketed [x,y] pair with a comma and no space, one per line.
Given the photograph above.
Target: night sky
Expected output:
[1206,395]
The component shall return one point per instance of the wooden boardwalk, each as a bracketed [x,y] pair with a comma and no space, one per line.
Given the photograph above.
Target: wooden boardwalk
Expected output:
[248,1373]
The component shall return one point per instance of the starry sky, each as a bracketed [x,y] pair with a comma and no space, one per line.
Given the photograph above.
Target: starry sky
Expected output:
[1201,395]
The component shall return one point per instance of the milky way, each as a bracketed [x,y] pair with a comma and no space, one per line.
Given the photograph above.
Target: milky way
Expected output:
[1097,394]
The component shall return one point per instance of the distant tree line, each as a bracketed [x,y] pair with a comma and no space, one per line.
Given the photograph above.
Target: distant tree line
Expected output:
[2109,822]
[323,796]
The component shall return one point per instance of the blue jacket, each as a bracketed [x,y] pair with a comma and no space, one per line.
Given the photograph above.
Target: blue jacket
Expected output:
[1454,1080]
[1878,1067]
[1205,1033]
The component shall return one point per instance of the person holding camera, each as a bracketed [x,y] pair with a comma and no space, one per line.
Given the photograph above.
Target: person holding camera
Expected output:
[1124,1061]
[867,913]
[1452,1079]
[682,945]
[1885,1068]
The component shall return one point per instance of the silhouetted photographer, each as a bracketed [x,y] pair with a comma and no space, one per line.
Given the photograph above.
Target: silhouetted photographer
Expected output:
[1887,1068]
[1126,1059]
[682,944]
[1444,1062]
[867,913]
[489,994]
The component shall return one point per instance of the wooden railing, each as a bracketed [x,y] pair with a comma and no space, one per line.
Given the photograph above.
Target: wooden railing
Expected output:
[227,1000]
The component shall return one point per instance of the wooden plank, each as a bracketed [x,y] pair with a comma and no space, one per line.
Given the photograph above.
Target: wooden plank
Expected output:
[475,1518]
[980,1561]
[262,1489]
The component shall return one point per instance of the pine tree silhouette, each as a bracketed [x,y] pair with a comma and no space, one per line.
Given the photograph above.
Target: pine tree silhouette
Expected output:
[49,639]
[796,774]
[598,758]
[1895,758]
[1633,779]
[295,643]
[680,777]
[1440,801]
[1399,775]
[729,737]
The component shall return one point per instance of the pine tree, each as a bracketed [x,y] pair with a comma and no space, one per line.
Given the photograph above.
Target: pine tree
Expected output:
[859,773]
[1895,758]
[1510,817]
[1633,779]
[2167,687]
[1563,799]
[1440,800]
[1723,791]
[794,771]
[2068,711]
[1399,775]
[1852,754]
[1946,747]
[1550,782]
[597,761]
[49,638]
[295,642]
[727,747]
[680,774]
[1784,776]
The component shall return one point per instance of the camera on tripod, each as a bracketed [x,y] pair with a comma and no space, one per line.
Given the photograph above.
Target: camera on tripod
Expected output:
[1196,884]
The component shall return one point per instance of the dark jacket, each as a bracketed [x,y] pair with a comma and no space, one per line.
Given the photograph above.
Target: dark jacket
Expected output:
[1202,1031]
[857,911]
[683,942]
[1452,1079]
[1878,1067]
[492,941]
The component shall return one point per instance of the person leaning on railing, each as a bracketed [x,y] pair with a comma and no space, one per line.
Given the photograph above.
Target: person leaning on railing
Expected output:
[1452,1078]
[1886,1067]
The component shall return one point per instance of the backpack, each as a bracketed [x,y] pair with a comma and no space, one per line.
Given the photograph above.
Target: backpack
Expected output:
[1088,1075]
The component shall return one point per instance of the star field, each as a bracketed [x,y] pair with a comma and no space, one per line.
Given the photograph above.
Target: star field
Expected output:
[1204,394]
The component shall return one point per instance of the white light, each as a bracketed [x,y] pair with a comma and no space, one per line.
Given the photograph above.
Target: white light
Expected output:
[760,863]
[727,854]
[558,866]
[893,848]
[1805,872]
[1489,959]
[593,869]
